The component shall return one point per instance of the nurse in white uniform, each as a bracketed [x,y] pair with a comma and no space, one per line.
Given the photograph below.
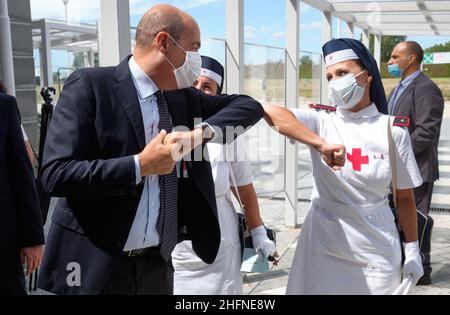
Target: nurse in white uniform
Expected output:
[349,243]
[193,276]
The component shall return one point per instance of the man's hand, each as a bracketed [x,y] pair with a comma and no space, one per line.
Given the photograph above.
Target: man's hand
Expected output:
[156,158]
[32,257]
[333,155]
[188,140]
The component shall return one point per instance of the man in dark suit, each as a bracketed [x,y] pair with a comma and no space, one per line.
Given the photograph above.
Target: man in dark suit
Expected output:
[21,229]
[108,157]
[420,99]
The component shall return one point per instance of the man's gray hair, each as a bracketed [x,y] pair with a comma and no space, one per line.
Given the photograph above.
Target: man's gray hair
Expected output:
[154,22]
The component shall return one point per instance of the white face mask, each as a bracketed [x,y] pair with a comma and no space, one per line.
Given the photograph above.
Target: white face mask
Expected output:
[190,70]
[345,92]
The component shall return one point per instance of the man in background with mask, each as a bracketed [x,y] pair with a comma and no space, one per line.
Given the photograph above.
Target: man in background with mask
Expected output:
[421,100]
[109,155]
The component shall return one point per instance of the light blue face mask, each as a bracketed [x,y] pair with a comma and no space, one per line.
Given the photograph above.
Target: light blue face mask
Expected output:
[395,70]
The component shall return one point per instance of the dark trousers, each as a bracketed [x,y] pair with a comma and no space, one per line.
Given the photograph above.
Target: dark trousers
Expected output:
[12,278]
[423,196]
[142,275]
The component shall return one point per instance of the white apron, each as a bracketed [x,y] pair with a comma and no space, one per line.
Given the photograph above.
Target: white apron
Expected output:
[349,243]
[194,277]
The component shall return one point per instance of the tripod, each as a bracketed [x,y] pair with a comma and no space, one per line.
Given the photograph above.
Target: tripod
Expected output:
[44,198]
[46,116]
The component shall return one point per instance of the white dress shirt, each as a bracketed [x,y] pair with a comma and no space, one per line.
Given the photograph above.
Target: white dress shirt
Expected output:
[25,137]
[143,232]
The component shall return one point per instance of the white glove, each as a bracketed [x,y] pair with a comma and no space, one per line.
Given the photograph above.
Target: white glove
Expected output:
[262,242]
[413,262]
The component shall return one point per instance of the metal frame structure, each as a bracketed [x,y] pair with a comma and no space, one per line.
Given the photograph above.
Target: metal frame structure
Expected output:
[386,18]
[48,35]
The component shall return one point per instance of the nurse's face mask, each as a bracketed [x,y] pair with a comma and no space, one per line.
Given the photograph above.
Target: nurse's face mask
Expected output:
[345,92]
[190,70]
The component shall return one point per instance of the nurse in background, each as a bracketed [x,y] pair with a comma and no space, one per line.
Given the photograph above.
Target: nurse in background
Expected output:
[223,277]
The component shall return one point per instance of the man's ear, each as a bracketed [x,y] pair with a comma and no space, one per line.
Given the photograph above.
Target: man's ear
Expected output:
[161,40]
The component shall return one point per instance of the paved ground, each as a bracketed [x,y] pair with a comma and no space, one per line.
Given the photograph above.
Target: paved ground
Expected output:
[275,281]
[441,196]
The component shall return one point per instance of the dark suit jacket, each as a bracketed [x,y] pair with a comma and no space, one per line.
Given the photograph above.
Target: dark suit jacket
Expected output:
[20,219]
[96,129]
[423,103]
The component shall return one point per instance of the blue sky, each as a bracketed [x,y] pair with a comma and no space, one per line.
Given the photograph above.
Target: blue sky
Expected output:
[264,22]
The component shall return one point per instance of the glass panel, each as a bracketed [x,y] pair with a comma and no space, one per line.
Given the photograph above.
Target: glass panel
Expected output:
[59,78]
[309,92]
[265,81]
[264,73]
[310,78]
[214,48]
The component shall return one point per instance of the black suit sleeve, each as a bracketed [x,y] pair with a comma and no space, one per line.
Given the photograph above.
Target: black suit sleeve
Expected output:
[69,164]
[26,199]
[239,111]
[429,107]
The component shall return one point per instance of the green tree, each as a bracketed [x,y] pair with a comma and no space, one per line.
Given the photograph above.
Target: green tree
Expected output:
[78,60]
[96,60]
[306,67]
[439,48]
[387,45]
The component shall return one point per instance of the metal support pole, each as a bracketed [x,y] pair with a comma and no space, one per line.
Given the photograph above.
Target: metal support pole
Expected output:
[235,46]
[326,36]
[114,31]
[46,55]
[377,50]
[6,56]
[292,94]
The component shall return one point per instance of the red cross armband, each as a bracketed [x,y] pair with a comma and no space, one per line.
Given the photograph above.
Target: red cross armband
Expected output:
[401,121]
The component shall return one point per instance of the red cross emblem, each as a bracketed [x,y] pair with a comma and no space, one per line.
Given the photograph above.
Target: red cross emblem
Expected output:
[357,159]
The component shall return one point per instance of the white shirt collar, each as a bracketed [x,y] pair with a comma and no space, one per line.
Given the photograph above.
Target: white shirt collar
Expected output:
[366,112]
[144,85]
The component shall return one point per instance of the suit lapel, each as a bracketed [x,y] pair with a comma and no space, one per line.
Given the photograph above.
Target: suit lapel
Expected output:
[127,96]
[178,107]
[405,94]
